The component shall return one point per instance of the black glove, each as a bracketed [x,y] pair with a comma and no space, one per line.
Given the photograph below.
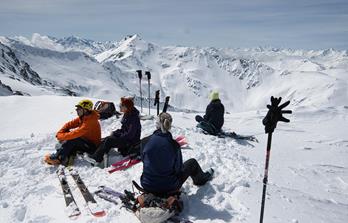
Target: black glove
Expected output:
[275,114]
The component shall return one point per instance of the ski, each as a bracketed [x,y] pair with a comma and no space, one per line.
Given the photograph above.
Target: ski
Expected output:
[127,198]
[108,190]
[181,139]
[236,136]
[91,203]
[124,164]
[108,194]
[71,206]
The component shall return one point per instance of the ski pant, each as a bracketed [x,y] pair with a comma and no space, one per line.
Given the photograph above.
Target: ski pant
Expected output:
[206,126]
[106,145]
[71,147]
[191,168]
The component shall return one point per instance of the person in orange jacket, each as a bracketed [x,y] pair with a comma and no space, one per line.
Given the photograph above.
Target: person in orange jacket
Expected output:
[82,134]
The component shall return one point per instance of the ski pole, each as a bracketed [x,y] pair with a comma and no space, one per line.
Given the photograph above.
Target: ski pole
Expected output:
[274,114]
[148,74]
[157,101]
[265,178]
[165,107]
[141,95]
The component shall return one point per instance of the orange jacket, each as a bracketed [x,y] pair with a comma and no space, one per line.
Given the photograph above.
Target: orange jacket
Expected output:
[87,128]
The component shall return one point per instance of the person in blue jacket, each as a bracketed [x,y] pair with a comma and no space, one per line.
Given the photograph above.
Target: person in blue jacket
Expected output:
[123,138]
[213,120]
[163,168]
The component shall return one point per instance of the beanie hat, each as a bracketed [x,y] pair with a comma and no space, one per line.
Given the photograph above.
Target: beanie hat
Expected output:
[128,103]
[164,122]
[214,95]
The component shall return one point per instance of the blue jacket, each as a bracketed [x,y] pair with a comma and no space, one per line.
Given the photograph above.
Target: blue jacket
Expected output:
[214,114]
[162,163]
[131,128]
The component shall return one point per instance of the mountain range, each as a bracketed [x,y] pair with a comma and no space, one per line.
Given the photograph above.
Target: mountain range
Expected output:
[245,78]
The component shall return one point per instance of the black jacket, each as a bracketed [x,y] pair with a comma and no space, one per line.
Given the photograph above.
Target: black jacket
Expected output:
[131,128]
[214,114]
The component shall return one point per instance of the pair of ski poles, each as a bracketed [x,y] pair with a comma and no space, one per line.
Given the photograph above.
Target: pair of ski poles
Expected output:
[148,74]
[140,75]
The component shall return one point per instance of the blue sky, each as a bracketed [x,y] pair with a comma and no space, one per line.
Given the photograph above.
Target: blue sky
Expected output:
[298,24]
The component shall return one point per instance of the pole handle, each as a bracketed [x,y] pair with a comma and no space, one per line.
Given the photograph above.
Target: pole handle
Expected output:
[148,74]
[140,75]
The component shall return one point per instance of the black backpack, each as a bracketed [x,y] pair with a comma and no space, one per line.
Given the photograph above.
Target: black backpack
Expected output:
[106,109]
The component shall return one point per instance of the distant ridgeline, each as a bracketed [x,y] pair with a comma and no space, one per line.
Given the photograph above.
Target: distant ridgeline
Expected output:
[245,78]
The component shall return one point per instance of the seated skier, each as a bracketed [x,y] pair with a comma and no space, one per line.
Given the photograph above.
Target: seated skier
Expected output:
[163,168]
[123,138]
[82,134]
[213,119]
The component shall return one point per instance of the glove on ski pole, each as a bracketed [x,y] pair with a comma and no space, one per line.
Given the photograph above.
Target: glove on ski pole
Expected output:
[274,114]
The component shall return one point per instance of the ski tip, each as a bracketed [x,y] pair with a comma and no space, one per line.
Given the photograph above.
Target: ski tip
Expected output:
[179,137]
[112,170]
[99,213]
[74,215]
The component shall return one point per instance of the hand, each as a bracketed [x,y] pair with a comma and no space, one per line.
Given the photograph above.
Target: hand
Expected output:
[275,114]
[65,130]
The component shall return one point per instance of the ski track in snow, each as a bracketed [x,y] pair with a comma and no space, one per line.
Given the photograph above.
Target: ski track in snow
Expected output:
[308,175]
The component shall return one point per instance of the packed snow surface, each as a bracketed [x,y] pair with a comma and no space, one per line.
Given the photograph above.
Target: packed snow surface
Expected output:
[308,174]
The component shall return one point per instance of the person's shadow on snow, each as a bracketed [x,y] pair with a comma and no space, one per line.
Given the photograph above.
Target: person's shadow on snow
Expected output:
[201,211]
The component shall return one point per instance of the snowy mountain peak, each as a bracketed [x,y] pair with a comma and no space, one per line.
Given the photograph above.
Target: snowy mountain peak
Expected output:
[74,43]
[45,42]
[131,46]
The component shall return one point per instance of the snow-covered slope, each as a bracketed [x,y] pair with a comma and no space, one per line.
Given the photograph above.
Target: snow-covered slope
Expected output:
[76,72]
[308,175]
[19,78]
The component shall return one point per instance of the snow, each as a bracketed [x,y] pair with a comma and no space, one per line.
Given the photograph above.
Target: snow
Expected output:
[44,42]
[308,175]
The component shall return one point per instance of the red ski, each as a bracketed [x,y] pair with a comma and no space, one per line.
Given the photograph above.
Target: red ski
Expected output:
[124,164]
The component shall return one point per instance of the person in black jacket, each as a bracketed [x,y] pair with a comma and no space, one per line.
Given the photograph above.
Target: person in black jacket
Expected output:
[163,168]
[213,120]
[123,138]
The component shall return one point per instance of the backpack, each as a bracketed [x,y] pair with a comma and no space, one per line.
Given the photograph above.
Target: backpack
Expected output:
[156,209]
[105,109]
[150,208]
